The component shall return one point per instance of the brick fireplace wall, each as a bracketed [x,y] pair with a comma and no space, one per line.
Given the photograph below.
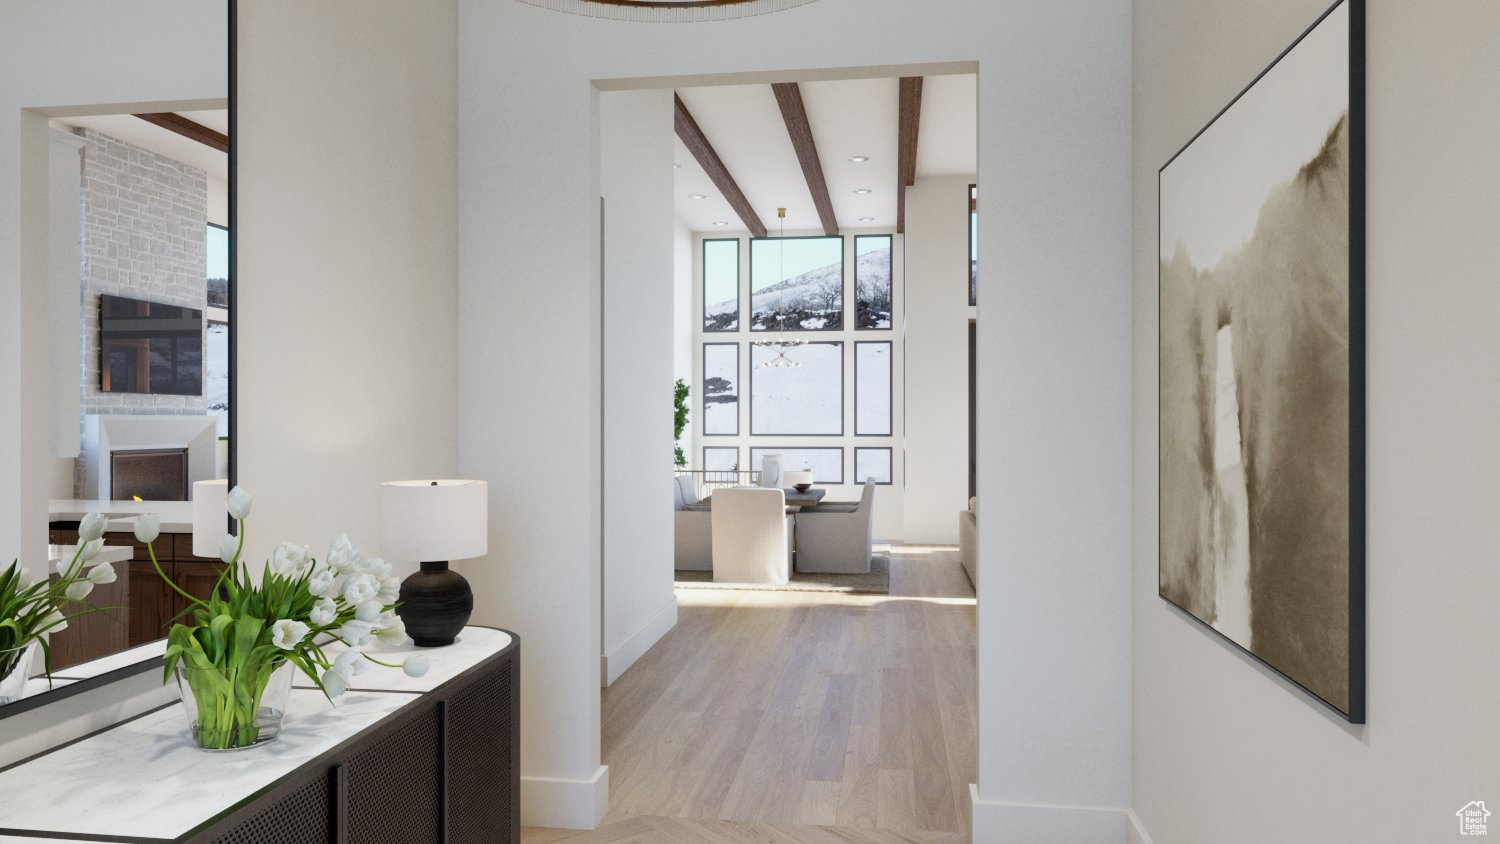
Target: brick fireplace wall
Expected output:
[143,237]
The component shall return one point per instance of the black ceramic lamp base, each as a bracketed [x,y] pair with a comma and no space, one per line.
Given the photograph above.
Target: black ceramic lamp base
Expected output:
[435,605]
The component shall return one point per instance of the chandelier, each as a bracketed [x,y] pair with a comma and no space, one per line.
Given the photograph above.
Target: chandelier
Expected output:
[782,343]
[668,11]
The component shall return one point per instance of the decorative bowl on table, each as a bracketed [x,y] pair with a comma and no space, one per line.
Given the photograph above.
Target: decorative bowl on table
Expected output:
[801,481]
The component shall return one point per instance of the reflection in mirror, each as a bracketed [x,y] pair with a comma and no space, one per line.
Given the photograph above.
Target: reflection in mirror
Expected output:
[138,284]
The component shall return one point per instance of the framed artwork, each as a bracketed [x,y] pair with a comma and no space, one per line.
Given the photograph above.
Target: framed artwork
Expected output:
[1261,283]
[807,400]
[872,388]
[872,281]
[826,464]
[973,245]
[872,463]
[721,284]
[721,389]
[797,283]
[721,458]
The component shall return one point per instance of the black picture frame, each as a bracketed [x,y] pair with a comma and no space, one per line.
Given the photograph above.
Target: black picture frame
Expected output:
[755,369]
[890,464]
[761,451]
[1296,433]
[703,400]
[861,313]
[739,304]
[890,388]
[749,309]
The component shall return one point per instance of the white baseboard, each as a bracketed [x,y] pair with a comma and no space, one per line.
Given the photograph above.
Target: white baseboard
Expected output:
[1136,833]
[565,804]
[614,663]
[1020,823]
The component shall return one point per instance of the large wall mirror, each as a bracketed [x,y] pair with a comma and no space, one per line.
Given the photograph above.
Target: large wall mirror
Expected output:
[127,228]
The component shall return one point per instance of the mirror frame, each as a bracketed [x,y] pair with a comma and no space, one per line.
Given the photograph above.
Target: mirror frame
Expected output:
[107,678]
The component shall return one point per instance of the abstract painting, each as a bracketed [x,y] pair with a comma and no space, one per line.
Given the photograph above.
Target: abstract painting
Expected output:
[1261,283]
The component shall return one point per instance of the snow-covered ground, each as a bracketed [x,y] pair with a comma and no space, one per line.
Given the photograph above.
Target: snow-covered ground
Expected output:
[806,400]
[216,374]
[721,394]
[872,388]
[826,464]
[872,463]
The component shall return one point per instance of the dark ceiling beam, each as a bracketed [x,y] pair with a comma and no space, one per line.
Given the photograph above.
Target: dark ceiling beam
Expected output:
[188,129]
[697,143]
[906,158]
[789,97]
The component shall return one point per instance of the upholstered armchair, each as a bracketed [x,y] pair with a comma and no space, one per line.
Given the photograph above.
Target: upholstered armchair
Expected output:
[837,539]
[694,542]
[966,551]
[752,536]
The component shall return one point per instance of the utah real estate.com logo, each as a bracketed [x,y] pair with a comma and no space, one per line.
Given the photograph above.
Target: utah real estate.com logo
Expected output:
[1473,819]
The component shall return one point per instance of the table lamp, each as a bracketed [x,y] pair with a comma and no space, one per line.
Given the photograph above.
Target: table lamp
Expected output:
[434,522]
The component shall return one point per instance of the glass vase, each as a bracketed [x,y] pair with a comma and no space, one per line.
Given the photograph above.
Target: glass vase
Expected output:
[15,668]
[234,708]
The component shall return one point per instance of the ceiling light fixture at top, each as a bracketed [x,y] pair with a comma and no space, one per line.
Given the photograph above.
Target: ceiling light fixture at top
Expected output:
[721,222]
[859,159]
[867,219]
[862,191]
[697,196]
[668,11]
[782,343]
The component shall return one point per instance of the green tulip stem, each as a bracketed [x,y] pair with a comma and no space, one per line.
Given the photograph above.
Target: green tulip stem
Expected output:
[150,548]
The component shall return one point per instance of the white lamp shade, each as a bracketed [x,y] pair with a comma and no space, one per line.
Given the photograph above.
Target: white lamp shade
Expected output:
[795,478]
[428,521]
[210,516]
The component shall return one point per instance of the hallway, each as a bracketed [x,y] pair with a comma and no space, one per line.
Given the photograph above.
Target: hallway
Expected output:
[799,716]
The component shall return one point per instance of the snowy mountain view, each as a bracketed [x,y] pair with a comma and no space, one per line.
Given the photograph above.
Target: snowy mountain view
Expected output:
[216,374]
[872,287]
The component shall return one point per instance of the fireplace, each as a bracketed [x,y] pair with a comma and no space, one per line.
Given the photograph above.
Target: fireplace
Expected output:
[149,474]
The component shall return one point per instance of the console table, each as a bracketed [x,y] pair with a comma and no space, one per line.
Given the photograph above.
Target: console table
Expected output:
[430,759]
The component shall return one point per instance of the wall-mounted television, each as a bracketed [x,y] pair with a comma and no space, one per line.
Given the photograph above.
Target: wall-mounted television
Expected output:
[149,347]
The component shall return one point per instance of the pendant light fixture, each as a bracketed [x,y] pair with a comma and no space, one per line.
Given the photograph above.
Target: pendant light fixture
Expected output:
[782,343]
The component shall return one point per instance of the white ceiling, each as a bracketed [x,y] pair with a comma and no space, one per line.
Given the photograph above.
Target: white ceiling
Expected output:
[848,118]
[149,136]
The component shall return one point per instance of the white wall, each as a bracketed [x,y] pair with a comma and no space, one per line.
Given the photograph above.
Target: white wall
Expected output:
[937,357]
[1225,751]
[635,129]
[60,58]
[1054,124]
[346,241]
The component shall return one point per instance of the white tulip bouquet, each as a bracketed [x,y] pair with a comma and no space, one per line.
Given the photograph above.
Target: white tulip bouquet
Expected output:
[229,644]
[31,608]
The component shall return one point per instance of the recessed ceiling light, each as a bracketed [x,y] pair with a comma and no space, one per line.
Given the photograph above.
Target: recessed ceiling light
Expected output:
[676,166]
[862,191]
[697,196]
[859,159]
[720,223]
[867,219]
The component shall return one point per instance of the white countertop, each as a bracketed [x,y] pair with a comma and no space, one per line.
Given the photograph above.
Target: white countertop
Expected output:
[145,779]
[176,516]
[107,554]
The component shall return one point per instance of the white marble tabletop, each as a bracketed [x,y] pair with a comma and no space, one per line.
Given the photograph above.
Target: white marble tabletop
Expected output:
[145,779]
[176,516]
[471,646]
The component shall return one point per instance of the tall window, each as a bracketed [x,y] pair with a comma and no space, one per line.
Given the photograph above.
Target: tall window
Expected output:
[973,244]
[216,352]
[872,281]
[797,283]
[721,285]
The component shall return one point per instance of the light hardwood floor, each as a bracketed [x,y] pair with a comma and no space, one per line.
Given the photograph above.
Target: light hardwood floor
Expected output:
[799,717]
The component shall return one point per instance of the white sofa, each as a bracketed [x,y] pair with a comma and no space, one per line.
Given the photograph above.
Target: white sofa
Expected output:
[752,536]
[837,538]
[966,525]
[693,528]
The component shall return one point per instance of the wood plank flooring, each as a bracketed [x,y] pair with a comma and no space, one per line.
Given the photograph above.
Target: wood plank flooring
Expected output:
[799,717]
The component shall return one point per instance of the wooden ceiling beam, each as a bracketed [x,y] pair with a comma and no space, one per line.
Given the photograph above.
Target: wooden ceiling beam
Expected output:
[906,159]
[789,98]
[697,143]
[188,129]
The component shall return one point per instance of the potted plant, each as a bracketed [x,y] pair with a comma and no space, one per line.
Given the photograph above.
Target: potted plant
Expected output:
[680,393]
[233,653]
[31,608]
